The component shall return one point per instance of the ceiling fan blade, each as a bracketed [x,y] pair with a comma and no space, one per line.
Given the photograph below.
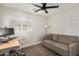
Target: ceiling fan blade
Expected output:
[52,7]
[46,11]
[44,4]
[37,5]
[38,10]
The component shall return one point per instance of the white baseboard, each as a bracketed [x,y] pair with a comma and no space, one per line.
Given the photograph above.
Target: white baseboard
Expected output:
[28,45]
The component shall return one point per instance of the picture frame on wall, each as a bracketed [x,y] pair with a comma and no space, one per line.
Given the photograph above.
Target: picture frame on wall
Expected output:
[20,25]
[26,25]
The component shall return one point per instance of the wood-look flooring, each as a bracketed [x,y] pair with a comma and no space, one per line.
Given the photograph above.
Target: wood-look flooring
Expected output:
[38,50]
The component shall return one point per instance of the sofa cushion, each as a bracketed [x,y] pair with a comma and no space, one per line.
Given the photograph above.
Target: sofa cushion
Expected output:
[67,39]
[55,49]
[61,46]
[55,37]
[49,41]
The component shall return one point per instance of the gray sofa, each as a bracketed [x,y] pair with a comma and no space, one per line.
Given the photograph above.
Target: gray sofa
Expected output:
[62,44]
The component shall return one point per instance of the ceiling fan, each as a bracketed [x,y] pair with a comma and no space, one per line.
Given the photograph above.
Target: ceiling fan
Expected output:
[44,7]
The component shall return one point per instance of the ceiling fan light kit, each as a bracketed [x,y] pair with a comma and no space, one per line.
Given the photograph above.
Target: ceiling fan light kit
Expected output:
[44,7]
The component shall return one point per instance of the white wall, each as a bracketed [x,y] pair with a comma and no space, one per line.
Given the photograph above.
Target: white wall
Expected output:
[30,37]
[66,22]
[1,17]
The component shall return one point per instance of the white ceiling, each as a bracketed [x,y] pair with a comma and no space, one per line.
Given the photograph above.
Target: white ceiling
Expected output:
[28,7]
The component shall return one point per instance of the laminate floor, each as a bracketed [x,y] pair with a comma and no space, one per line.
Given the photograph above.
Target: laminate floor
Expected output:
[38,50]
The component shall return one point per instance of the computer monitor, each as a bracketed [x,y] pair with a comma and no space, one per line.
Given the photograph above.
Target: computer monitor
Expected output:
[6,31]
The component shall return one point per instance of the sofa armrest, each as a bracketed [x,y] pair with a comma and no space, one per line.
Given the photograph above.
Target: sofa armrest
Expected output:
[73,48]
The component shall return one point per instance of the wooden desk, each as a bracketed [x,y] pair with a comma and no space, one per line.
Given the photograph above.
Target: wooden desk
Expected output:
[10,44]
